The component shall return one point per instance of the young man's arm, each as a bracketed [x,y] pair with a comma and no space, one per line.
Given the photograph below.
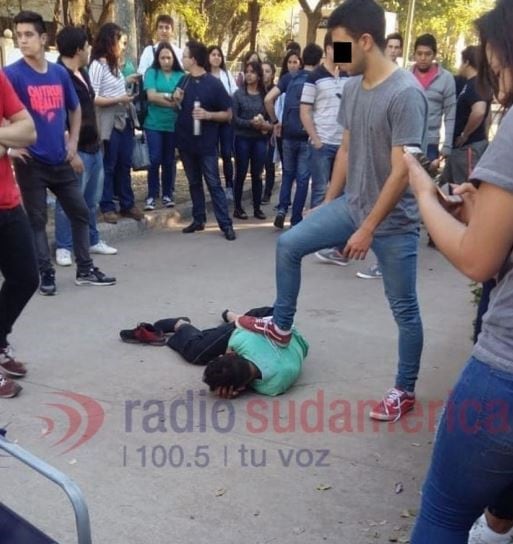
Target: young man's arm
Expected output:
[476,117]
[75,120]
[269,100]
[305,114]
[20,132]
[395,185]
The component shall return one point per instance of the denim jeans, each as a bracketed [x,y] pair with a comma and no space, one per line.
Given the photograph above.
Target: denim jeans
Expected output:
[270,170]
[18,266]
[161,145]
[91,185]
[246,150]
[331,226]
[321,164]
[196,167]
[34,178]
[117,164]
[472,461]
[226,138]
[296,166]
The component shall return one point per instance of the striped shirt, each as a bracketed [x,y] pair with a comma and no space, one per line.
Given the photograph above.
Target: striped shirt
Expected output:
[323,91]
[104,82]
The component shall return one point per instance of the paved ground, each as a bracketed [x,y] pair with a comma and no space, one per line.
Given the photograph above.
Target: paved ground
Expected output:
[146,483]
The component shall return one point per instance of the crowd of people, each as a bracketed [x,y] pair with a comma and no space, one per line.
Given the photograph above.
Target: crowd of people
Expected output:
[339,129]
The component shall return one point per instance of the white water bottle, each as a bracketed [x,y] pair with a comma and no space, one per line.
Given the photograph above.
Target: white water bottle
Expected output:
[197,123]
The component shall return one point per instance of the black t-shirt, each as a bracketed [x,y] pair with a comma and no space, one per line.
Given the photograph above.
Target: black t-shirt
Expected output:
[211,94]
[88,140]
[466,99]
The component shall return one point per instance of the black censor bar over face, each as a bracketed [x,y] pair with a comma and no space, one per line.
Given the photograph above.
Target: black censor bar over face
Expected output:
[342,52]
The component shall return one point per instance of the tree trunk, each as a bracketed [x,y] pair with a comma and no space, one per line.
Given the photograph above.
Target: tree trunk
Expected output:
[124,16]
[314,20]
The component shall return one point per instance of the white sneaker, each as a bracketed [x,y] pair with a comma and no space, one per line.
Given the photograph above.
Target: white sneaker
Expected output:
[482,534]
[101,248]
[63,257]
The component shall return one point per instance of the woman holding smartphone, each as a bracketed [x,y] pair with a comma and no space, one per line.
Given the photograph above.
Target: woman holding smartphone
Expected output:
[472,463]
[160,82]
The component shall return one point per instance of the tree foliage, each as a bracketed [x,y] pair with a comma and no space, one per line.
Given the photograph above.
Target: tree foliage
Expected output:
[447,20]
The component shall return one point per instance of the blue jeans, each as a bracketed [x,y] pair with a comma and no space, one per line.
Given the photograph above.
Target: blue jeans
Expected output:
[321,164]
[117,163]
[161,145]
[246,150]
[196,167]
[331,226]
[472,462]
[295,167]
[270,170]
[91,185]
[226,138]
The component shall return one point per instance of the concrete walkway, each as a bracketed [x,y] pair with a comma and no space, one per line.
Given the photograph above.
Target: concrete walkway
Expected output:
[169,463]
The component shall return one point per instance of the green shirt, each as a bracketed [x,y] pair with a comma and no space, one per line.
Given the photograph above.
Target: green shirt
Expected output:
[160,117]
[128,68]
[280,367]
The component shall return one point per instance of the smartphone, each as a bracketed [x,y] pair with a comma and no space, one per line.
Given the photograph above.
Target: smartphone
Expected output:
[421,158]
[446,196]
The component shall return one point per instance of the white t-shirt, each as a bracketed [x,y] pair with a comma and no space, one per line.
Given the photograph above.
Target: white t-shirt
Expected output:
[104,82]
[148,56]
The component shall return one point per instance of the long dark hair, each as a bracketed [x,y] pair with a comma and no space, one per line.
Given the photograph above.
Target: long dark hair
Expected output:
[494,29]
[106,45]
[257,68]
[156,63]
[284,65]
[223,63]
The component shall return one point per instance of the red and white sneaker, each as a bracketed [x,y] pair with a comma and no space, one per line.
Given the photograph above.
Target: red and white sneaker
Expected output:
[9,365]
[394,405]
[266,327]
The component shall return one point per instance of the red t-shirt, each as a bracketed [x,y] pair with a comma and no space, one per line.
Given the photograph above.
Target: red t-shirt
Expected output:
[9,105]
[426,78]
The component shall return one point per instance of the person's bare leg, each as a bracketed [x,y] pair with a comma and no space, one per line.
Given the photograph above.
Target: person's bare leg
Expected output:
[231,317]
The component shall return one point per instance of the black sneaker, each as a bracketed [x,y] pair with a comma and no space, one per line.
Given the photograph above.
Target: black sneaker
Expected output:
[94,277]
[279,220]
[47,284]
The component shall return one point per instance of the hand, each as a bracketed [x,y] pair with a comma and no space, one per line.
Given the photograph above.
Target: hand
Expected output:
[420,181]
[21,154]
[178,94]
[358,245]
[256,123]
[133,78]
[228,392]
[460,140]
[464,211]
[201,114]
[125,99]
[3,150]
[316,143]
[277,130]
[77,164]
[72,150]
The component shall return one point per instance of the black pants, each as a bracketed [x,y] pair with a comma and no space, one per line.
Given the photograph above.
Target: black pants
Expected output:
[34,178]
[201,346]
[18,266]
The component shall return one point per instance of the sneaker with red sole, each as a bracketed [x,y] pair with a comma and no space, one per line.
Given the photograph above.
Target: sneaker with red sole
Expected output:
[394,405]
[8,388]
[144,333]
[266,327]
[9,365]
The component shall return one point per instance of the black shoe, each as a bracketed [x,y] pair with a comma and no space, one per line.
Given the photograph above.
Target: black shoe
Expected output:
[94,277]
[47,285]
[266,199]
[240,213]
[279,220]
[259,214]
[224,315]
[193,227]
[229,234]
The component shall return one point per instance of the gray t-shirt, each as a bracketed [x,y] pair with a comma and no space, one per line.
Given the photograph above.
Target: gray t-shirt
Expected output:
[392,114]
[495,343]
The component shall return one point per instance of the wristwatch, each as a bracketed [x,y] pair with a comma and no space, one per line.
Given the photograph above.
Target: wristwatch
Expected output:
[167,96]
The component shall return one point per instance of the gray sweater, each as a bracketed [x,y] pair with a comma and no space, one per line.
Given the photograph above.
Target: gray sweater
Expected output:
[245,107]
[441,95]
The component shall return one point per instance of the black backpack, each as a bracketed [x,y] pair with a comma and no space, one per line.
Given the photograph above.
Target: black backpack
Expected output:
[291,122]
